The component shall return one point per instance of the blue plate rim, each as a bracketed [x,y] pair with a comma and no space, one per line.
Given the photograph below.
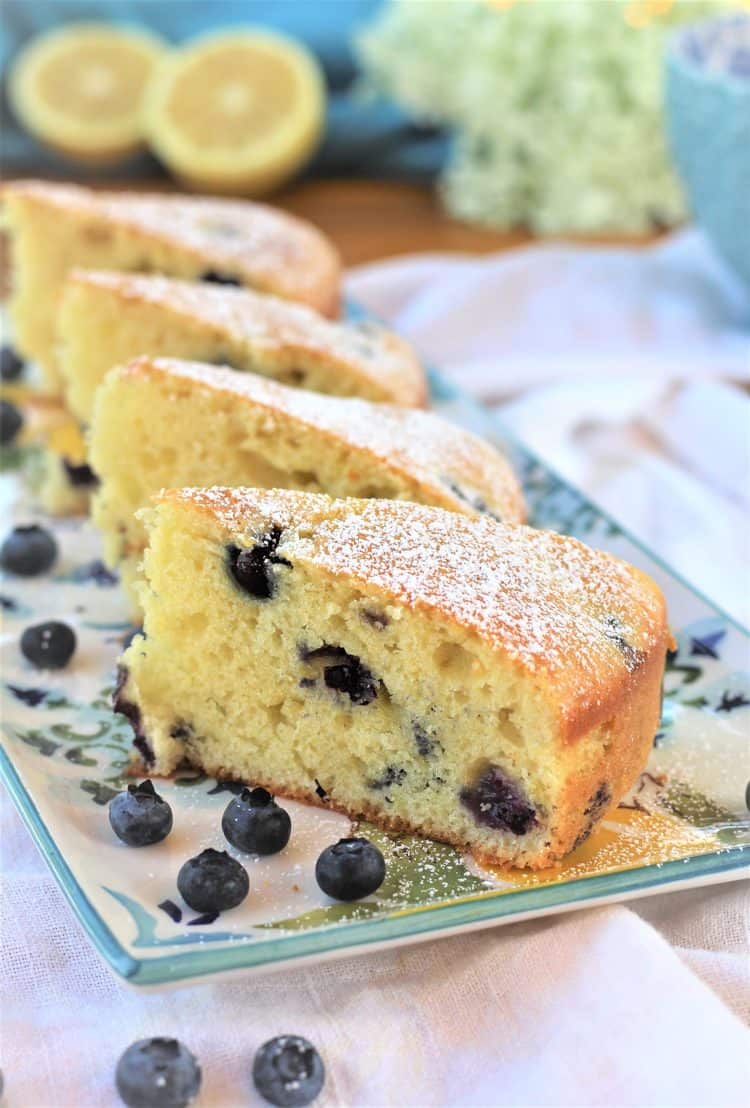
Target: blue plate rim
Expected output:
[405,924]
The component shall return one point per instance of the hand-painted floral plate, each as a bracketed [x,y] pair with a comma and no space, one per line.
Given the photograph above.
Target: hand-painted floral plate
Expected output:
[686,821]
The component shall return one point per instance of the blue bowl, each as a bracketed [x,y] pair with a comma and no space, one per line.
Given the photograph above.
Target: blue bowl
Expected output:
[708,124]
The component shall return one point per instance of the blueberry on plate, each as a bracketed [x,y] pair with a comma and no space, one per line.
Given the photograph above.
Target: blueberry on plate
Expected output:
[139,816]
[254,823]
[157,1073]
[28,551]
[48,645]
[350,869]
[11,364]
[11,422]
[213,881]
[288,1071]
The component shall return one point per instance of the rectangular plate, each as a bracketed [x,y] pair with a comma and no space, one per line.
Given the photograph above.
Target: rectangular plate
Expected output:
[684,823]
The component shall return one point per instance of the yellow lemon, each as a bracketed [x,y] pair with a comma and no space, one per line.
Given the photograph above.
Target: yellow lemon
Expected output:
[80,89]
[237,112]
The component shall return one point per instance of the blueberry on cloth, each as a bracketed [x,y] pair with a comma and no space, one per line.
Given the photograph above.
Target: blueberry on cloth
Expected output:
[48,645]
[213,881]
[288,1071]
[254,823]
[350,869]
[28,551]
[157,1073]
[139,816]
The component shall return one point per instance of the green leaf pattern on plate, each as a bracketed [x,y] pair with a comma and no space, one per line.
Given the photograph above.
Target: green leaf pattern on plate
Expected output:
[417,872]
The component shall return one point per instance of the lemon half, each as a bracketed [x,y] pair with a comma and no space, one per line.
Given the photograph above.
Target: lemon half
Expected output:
[237,112]
[80,89]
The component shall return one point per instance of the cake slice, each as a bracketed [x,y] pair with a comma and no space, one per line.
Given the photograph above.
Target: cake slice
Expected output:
[485,684]
[160,423]
[108,318]
[55,227]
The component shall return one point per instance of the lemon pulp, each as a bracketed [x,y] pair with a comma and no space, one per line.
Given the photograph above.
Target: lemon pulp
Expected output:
[80,89]
[238,112]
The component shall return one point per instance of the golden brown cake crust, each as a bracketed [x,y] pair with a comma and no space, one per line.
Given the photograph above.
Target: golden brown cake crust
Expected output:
[449,466]
[280,331]
[265,247]
[585,627]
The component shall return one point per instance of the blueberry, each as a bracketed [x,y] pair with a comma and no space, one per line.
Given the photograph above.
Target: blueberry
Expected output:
[352,678]
[391,775]
[28,551]
[80,475]
[350,869]
[11,364]
[157,1073]
[496,801]
[139,816]
[288,1071]
[347,674]
[214,277]
[11,422]
[426,744]
[128,708]
[598,802]
[213,882]
[255,824]
[252,568]
[48,645]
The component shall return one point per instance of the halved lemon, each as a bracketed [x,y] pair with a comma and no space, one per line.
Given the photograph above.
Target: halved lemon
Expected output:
[236,112]
[80,89]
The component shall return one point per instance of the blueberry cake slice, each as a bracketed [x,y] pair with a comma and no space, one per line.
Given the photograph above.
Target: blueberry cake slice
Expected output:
[108,318]
[162,423]
[485,684]
[55,227]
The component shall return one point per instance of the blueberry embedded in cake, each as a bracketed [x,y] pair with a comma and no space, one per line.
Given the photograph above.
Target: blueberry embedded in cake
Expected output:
[490,708]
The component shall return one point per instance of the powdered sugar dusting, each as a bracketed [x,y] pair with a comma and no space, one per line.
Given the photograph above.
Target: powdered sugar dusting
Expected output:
[422,448]
[543,600]
[262,245]
[276,330]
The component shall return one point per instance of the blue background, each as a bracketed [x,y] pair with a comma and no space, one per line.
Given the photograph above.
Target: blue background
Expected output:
[366,138]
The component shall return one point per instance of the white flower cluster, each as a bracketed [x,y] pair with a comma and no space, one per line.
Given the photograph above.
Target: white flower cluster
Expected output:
[556,107]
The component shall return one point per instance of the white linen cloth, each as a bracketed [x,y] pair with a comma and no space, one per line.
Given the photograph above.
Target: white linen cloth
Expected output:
[645,1004]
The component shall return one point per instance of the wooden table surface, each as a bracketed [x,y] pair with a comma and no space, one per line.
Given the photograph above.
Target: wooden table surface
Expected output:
[380,219]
